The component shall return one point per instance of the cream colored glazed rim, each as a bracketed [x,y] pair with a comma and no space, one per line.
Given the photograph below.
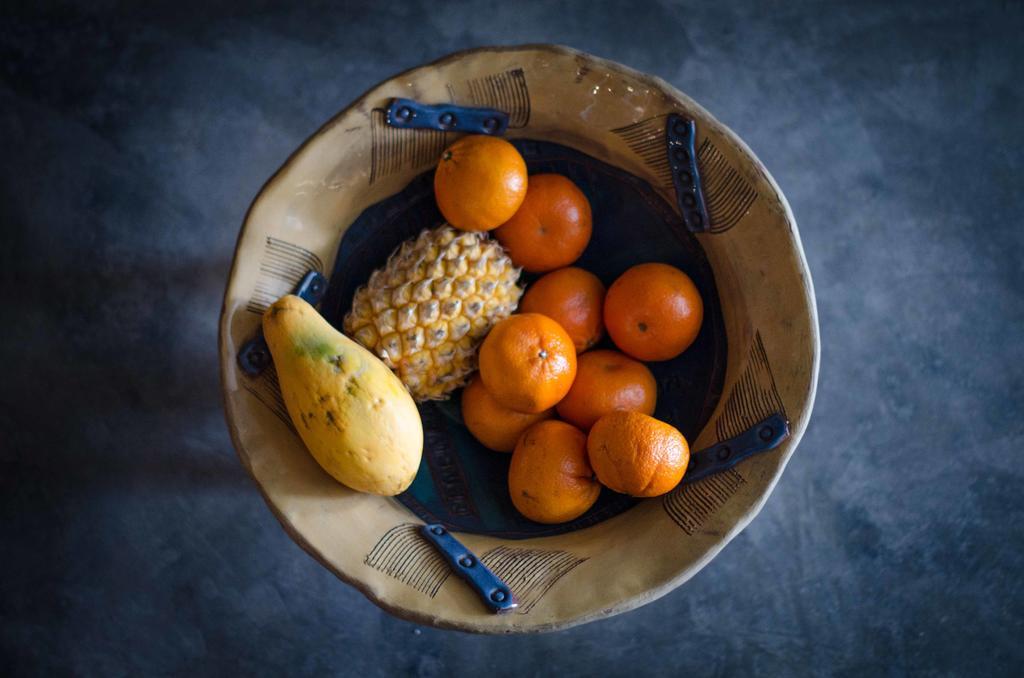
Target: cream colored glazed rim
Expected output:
[617,115]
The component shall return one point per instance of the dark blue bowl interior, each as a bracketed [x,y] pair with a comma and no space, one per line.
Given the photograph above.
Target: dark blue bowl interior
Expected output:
[463,484]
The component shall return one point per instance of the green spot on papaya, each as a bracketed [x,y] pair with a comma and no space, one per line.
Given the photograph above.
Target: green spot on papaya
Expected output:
[314,347]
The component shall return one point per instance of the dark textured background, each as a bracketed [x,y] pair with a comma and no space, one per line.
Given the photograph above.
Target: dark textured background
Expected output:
[132,142]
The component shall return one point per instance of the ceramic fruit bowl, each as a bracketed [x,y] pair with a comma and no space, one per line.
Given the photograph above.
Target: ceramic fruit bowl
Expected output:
[742,394]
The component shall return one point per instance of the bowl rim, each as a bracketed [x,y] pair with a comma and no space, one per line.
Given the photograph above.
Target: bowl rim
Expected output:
[798,427]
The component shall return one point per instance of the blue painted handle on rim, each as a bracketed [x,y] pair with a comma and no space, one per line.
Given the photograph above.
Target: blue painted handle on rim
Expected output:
[763,436]
[446,117]
[494,592]
[681,139]
[254,356]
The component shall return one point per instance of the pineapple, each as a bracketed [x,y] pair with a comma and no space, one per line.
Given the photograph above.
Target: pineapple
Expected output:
[426,312]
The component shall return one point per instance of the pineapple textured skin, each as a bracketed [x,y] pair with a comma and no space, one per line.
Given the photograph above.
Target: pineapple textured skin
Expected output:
[427,310]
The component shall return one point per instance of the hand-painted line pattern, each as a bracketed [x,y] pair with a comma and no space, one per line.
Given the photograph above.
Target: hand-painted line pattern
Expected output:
[281,269]
[727,193]
[267,390]
[404,554]
[689,506]
[530,573]
[647,139]
[754,396]
[394,149]
[504,91]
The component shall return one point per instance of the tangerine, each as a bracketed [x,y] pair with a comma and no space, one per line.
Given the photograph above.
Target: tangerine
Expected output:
[572,297]
[480,182]
[636,454]
[496,427]
[551,228]
[527,362]
[607,381]
[549,478]
[653,312]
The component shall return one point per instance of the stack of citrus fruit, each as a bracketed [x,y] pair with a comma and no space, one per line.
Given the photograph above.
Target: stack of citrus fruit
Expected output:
[535,364]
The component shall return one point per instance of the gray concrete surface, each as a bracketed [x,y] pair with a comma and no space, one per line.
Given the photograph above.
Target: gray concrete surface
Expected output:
[133,140]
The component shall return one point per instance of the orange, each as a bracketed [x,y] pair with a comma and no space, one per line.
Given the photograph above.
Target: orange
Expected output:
[480,182]
[497,427]
[653,312]
[551,228]
[572,297]
[549,478]
[635,454]
[527,362]
[607,381]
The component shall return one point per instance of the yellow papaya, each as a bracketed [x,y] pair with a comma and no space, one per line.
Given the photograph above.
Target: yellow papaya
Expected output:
[353,413]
